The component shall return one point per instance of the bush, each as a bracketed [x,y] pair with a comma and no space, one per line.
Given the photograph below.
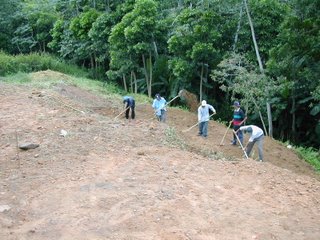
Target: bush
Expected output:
[36,62]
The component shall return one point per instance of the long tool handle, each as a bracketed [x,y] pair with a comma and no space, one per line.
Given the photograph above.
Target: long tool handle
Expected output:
[245,153]
[186,130]
[121,113]
[179,94]
[225,134]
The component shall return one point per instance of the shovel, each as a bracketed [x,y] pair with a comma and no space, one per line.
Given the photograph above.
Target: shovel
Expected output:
[245,153]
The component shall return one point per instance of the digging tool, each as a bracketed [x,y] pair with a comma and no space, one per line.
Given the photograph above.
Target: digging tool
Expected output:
[186,130]
[179,95]
[121,113]
[221,143]
[245,153]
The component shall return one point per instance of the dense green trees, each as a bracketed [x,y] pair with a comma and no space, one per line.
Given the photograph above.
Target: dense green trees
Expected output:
[204,46]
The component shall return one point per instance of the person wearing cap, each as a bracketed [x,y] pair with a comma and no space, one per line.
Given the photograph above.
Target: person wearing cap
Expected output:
[256,136]
[129,105]
[203,117]
[239,118]
[159,105]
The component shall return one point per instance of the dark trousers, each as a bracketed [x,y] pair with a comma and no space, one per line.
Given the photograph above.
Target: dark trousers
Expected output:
[239,133]
[132,112]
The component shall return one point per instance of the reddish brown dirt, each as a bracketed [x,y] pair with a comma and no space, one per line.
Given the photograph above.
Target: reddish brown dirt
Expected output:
[140,179]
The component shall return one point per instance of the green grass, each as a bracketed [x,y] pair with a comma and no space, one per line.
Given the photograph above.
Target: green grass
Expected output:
[172,138]
[108,90]
[310,155]
[18,78]
[11,64]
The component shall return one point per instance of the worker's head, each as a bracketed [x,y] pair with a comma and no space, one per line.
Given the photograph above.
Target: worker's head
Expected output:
[236,104]
[158,96]
[248,130]
[203,103]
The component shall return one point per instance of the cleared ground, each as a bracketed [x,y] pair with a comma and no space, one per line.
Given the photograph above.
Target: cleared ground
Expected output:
[141,179]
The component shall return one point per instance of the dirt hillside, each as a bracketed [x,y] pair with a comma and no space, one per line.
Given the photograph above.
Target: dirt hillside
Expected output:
[96,177]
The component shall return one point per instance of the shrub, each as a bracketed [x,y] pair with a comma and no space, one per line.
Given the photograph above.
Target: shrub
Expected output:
[36,62]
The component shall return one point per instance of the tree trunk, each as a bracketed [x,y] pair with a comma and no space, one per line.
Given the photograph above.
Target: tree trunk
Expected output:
[124,82]
[131,82]
[135,83]
[145,73]
[259,61]
[254,38]
[201,82]
[293,110]
[150,75]
[269,119]
[260,115]
[238,29]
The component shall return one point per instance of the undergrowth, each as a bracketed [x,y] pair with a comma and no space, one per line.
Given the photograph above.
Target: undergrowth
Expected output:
[172,138]
[310,155]
[11,64]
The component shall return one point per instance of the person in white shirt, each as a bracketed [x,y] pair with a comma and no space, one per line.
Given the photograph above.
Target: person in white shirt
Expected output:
[256,136]
[203,117]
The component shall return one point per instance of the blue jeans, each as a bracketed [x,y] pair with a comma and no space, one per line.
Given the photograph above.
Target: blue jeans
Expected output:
[240,135]
[203,129]
[163,116]
[259,141]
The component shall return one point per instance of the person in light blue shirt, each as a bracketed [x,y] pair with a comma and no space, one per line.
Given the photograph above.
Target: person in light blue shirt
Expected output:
[203,117]
[159,105]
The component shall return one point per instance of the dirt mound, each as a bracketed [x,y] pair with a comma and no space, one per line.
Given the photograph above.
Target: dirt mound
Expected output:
[49,74]
[190,99]
[140,179]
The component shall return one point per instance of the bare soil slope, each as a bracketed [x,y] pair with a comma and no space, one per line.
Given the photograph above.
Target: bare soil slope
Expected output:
[119,179]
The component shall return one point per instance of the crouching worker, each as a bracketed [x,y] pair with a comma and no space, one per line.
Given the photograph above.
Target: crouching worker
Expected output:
[256,136]
[129,105]
[204,117]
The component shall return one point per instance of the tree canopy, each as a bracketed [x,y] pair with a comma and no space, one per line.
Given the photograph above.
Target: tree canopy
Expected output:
[203,46]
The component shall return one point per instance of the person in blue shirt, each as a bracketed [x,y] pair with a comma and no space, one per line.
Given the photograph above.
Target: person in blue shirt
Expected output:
[129,105]
[159,105]
[203,117]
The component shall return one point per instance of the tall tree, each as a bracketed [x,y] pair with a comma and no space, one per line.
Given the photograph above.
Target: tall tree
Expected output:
[297,59]
[195,45]
[136,32]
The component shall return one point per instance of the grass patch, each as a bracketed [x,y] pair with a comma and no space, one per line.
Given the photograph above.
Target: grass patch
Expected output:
[11,64]
[19,78]
[310,155]
[172,139]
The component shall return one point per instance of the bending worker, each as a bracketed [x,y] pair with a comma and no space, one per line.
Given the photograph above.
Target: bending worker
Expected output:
[129,105]
[256,136]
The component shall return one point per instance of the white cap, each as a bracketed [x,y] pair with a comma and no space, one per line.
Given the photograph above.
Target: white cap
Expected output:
[203,103]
